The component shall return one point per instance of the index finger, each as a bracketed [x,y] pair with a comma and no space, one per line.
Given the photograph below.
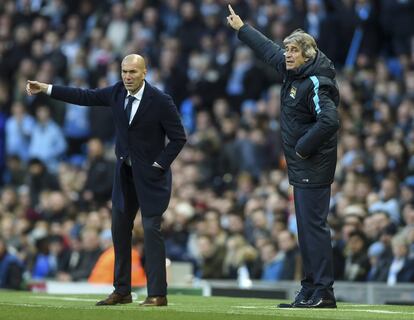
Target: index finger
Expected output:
[231,10]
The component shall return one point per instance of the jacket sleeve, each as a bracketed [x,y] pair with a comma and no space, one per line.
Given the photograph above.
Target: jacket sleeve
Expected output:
[327,122]
[171,123]
[265,49]
[83,97]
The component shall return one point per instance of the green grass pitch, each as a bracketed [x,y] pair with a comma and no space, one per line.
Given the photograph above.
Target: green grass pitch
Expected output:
[40,306]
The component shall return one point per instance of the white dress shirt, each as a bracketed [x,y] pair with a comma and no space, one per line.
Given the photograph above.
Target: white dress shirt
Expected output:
[137,101]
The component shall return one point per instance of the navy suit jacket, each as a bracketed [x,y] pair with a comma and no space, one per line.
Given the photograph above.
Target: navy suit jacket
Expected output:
[144,141]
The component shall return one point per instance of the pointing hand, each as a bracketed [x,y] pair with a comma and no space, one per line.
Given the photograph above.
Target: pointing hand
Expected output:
[35,87]
[234,20]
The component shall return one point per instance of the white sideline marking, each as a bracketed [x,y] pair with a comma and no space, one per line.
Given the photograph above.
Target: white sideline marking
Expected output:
[383,311]
[364,305]
[43,306]
[255,307]
[65,298]
[340,309]
[81,299]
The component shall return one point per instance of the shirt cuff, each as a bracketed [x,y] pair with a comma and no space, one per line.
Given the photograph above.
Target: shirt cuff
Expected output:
[49,90]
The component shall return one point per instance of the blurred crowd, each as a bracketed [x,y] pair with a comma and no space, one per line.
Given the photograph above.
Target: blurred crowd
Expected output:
[231,213]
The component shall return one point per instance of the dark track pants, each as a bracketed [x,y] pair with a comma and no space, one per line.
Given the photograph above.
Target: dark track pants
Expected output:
[312,207]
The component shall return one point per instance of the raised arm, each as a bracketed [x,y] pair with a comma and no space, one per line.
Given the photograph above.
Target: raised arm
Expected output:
[264,48]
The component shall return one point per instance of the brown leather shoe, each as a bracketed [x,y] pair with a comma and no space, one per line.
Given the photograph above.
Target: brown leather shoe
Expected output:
[115,298]
[154,302]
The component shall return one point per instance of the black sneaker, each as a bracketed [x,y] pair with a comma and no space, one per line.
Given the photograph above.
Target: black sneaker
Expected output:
[318,303]
[301,297]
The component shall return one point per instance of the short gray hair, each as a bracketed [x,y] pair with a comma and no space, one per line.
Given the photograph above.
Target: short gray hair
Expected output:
[304,41]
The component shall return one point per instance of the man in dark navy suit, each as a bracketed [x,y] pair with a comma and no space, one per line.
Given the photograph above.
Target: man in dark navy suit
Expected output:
[144,117]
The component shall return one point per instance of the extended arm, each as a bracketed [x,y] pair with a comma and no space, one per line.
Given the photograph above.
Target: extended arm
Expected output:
[83,97]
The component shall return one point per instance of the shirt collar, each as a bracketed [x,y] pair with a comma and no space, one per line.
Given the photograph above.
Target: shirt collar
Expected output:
[139,94]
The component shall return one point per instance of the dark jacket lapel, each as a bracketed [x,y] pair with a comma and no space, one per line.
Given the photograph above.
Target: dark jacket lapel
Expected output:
[145,102]
[121,105]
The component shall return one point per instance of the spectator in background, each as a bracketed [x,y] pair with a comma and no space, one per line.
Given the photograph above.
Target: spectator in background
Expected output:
[408,215]
[55,207]
[190,29]
[11,268]
[396,17]
[39,179]
[376,269]
[70,262]
[257,220]
[388,200]
[356,260]
[103,270]
[170,17]
[71,44]
[249,152]
[8,201]
[98,185]
[211,258]
[272,262]
[244,82]
[54,53]
[48,143]
[44,265]
[4,108]
[292,262]
[118,28]
[88,255]
[2,141]
[15,173]
[175,226]
[19,128]
[76,126]
[366,20]
[100,120]
[401,267]
[59,253]
[239,254]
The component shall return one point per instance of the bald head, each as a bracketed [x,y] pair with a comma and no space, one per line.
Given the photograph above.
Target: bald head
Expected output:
[133,72]
[135,58]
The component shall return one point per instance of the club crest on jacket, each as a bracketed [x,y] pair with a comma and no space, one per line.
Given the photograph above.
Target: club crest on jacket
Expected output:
[293,92]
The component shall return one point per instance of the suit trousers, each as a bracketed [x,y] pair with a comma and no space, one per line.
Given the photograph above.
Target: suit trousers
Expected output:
[312,207]
[154,248]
